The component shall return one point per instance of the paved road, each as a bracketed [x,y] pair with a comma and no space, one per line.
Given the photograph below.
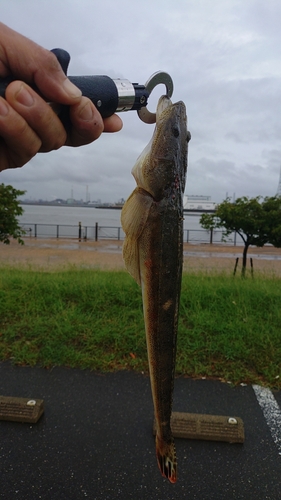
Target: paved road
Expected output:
[95,441]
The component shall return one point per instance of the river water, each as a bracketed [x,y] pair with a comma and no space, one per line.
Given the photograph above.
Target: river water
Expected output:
[62,215]
[63,221]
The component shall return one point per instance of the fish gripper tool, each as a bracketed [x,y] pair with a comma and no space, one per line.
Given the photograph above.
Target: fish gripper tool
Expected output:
[108,95]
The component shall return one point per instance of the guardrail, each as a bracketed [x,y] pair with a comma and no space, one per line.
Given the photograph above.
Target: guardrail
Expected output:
[97,232]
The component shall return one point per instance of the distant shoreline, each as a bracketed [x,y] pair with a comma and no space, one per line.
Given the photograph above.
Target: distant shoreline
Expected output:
[113,207]
[76,205]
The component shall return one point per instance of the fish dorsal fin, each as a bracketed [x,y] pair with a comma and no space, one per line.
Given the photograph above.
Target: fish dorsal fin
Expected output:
[133,219]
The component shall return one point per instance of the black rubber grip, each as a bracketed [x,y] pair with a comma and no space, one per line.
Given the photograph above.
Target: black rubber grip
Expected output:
[4,82]
[101,90]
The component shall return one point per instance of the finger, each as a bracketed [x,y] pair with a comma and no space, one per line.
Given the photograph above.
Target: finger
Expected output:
[33,64]
[38,114]
[112,124]
[51,80]
[87,123]
[19,142]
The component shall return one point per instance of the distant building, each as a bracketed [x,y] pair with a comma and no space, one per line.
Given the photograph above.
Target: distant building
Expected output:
[198,202]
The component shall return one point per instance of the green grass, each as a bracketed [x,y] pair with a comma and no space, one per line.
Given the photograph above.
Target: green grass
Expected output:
[229,328]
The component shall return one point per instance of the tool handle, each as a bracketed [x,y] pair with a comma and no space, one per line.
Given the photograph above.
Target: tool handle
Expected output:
[106,94]
[101,90]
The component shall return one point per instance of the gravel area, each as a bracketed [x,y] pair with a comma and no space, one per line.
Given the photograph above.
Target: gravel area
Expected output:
[53,254]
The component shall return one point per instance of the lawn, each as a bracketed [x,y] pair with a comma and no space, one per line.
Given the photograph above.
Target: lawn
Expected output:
[229,327]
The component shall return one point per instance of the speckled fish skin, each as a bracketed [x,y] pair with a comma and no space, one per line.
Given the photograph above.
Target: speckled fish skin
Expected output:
[152,219]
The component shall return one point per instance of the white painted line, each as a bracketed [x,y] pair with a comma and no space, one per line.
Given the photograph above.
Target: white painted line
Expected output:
[271,411]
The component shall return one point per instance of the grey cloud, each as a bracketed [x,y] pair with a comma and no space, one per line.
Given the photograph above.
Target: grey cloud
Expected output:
[223,176]
[224,60]
[234,136]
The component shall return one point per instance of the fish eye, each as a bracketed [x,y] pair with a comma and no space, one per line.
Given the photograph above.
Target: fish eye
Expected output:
[175,131]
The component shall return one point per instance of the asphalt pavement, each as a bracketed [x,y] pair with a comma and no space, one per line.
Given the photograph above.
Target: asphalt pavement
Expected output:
[95,440]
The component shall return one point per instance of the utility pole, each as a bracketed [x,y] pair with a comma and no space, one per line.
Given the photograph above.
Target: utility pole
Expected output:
[279,186]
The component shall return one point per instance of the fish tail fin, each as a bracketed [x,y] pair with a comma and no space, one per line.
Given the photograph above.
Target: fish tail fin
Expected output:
[166,458]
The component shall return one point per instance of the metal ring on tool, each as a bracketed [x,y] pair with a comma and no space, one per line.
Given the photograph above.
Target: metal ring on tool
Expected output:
[156,79]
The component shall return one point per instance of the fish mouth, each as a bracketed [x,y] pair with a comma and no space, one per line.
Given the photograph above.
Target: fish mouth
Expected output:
[166,108]
[163,103]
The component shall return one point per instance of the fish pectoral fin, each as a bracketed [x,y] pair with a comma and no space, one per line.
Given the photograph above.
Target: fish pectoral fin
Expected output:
[131,258]
[135,212]
[133,219]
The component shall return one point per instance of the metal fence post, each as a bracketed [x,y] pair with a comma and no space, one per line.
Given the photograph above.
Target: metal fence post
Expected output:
[98,232]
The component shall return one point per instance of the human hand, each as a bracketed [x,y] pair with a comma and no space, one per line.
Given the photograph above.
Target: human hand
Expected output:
[28,124]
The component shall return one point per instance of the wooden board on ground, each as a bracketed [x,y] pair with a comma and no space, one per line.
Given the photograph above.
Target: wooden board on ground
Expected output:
[21,409]
[207,427]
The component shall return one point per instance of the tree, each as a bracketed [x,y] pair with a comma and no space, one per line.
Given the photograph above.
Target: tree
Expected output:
[9,211]
[272,220]
[257,222]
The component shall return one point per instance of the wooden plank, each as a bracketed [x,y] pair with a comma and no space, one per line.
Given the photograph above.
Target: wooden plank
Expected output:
[21,409]
[206,427]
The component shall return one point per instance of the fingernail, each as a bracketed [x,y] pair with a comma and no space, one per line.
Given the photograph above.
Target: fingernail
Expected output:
[24,97]
[4,110]
[71,89]
[86,113]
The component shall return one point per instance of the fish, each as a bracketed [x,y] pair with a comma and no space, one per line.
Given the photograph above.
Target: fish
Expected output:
[152,220]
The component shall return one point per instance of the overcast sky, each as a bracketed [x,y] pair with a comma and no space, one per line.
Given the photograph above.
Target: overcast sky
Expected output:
[224,57]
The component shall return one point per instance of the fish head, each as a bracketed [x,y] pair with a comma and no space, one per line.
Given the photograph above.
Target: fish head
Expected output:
[161,167]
